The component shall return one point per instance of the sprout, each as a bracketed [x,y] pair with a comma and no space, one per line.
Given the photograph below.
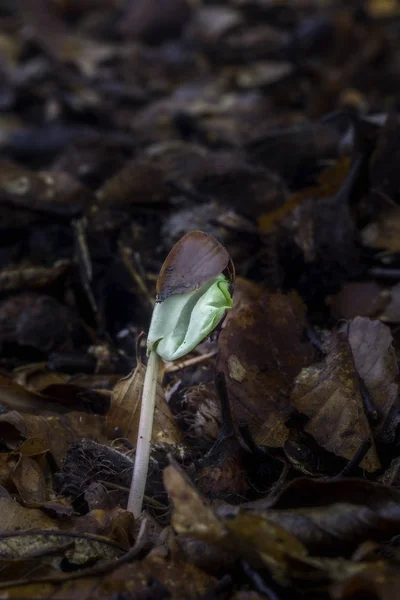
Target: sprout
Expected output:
[193,295]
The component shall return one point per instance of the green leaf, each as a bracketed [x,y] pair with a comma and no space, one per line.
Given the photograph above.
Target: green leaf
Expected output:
[182,321]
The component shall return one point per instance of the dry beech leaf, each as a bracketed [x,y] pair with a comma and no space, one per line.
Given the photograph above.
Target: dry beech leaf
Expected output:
[55,398]
[36,376]
[261,351]
[381,580]
[51,33]
[332,518]
[329,394]
[359,299]
[116,524]
[138,182]
[29,480]
[14,517]
[34,446]
[59,431]
[384,233]
[256,539]
[16,397]
[44,191]
[375,361]
[152,577]
[329,183]
[123,416]
[28,555]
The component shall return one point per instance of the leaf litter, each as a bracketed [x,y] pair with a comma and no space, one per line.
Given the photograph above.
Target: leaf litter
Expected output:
[274,463]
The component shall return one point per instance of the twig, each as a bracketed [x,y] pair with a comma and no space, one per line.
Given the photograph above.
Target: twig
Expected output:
[355,461]
[189,362]
[127,257]
[101,569]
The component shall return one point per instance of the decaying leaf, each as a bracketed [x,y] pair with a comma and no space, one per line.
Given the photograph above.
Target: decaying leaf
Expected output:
[376,364]
[123,418]
[359,299]
[329,394]
[44,191]
[140,579]
[14,517]
[261,351]
[60,432]
[42,553]
[332,518]
[258,540]
[384,232]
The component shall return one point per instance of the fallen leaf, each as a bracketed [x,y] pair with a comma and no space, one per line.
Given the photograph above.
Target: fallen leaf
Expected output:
[261,351]
[359,299]
[384,232]
[116,524]
[60,432]
[332,518]
[376,363]
[329,183]
[140,579]
[256,539]
[14,517]
[29,480]
[123,416]
[329,394]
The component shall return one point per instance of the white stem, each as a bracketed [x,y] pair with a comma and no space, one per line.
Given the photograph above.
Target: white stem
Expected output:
[140,469]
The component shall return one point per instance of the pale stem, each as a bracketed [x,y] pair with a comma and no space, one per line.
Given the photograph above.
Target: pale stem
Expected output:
[142,456]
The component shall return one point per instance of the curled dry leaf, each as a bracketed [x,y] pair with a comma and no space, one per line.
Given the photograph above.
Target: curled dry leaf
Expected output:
[116,524]
[329,394]
[57,398]
[123,417]
[16,397]
[261,351]
[152,577]
[375,361]
[52,551]
[29,480]
[332,518]
[57,40]
[14,517]
[359,299]
[384,232]
[59,432]
[45,191]
[255,539]
[136,183]
[380,580]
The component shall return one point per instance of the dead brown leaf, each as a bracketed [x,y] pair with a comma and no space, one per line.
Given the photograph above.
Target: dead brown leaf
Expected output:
[60,432]
[14,517]
[143,579]
[376,363]
[384,233]
[29,480]
[359,299]
[261,351]
[329,394]
[123,417]
[332,518]
[116,524]
[258,540]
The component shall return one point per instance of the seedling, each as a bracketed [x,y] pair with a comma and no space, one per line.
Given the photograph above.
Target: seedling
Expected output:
[193,295]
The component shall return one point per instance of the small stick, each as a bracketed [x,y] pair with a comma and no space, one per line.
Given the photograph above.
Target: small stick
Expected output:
[142,456]
[355,461]
[189,362]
